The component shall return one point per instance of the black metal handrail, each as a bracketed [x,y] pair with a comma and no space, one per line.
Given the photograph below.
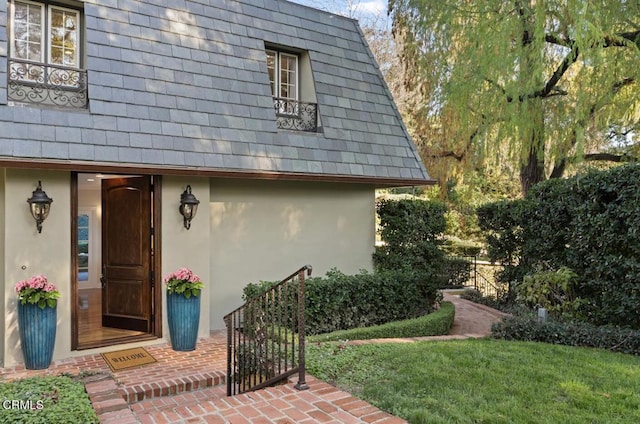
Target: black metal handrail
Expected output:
[295,115]
[486,287]
[48,84]
[479,281]
[262,335]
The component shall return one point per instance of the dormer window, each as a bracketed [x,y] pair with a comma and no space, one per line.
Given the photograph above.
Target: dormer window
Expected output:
[284,76]
[44,55]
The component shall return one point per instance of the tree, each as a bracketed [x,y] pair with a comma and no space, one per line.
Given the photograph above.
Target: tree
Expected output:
[530,86]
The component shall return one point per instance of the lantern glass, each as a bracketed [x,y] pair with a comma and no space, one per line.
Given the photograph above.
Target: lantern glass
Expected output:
[40,211]
[39,205]
[188,206]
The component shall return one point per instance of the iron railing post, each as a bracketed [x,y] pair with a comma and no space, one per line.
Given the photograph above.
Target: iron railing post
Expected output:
[302,383]
[228,321]
[475,272]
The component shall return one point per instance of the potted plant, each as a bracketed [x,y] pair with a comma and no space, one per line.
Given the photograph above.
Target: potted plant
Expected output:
[183,308]
[37,316]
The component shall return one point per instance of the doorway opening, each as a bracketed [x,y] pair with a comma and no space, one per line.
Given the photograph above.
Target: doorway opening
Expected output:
[115,251]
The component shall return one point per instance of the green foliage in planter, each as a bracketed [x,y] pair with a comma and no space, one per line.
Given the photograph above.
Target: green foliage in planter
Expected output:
[528,328]
[46,400]
[434,324]
[589,223]
[339,301]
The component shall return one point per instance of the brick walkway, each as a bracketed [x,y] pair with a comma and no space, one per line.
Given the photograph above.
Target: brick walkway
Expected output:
[189,387]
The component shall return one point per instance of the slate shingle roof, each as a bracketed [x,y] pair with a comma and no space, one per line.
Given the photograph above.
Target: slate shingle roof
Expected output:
[184,85]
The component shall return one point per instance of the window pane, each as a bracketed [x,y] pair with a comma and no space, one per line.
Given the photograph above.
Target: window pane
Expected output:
[288,76]
[83,247]
[83,220]
[271,69]
[27,31]
[64,36]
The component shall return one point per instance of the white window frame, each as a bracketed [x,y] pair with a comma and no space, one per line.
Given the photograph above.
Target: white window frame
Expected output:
[278,70]
[76,57]
[284,105]
[45,48]
[94,248]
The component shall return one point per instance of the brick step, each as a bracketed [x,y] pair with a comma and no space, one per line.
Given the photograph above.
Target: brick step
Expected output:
[184,404]
[171,386]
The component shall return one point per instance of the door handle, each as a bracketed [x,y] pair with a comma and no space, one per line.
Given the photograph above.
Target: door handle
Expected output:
[103,279]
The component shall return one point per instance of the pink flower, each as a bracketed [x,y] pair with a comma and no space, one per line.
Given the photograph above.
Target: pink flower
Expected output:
[37,290]
[20,285]
[183,281]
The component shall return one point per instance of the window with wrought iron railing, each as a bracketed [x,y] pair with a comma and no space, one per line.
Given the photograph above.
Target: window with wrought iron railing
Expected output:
[45,55]
[284,77]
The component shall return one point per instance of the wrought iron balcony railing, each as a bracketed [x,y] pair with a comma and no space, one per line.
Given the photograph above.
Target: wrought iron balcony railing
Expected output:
[53,85]
[295,115]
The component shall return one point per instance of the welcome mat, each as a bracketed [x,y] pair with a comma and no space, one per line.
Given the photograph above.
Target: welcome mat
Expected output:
[128,358]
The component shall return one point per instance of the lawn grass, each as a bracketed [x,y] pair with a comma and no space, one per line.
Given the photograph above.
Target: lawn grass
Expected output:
[485,381]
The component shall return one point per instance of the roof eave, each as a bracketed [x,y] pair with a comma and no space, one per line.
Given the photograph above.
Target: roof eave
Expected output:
[147,169]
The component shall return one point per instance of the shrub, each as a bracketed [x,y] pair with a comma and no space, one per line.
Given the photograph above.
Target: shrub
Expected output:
[528,328]
[461,248]
[504,304]
[339,301]
[589,223]
[434,324]
[457,271]
[412,233]
[553,290]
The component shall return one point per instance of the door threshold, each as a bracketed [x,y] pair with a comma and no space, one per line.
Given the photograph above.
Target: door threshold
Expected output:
[117,341]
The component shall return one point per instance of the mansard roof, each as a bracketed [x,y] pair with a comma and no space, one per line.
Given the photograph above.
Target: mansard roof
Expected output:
[183,86]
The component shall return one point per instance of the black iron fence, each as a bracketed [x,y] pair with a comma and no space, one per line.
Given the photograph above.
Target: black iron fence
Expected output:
[482,277]
[266,337]
[295,115]
[47,84]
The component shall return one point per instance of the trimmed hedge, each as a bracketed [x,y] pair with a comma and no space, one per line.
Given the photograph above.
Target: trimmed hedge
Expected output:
[588,223]
[434,324]
[412,231]
[412,234]
[527,328]
[340,302]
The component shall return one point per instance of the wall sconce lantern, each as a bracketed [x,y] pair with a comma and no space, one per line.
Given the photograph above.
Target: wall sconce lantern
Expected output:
[188,206]
[39,204]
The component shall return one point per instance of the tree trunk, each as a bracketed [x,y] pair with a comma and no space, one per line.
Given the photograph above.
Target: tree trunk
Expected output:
[532,171]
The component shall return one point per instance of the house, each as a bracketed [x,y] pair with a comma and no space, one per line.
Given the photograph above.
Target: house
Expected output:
[272,114]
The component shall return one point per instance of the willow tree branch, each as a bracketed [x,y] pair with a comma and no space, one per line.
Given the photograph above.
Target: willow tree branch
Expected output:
[609,157]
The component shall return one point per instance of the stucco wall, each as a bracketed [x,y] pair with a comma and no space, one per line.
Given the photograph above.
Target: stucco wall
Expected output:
[27,253]
[186,248]
[265,230]
[3,314]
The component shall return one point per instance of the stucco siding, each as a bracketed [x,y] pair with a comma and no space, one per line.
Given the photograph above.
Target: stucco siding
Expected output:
[186,248]
[3,293]
[27,253]
[265,230]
